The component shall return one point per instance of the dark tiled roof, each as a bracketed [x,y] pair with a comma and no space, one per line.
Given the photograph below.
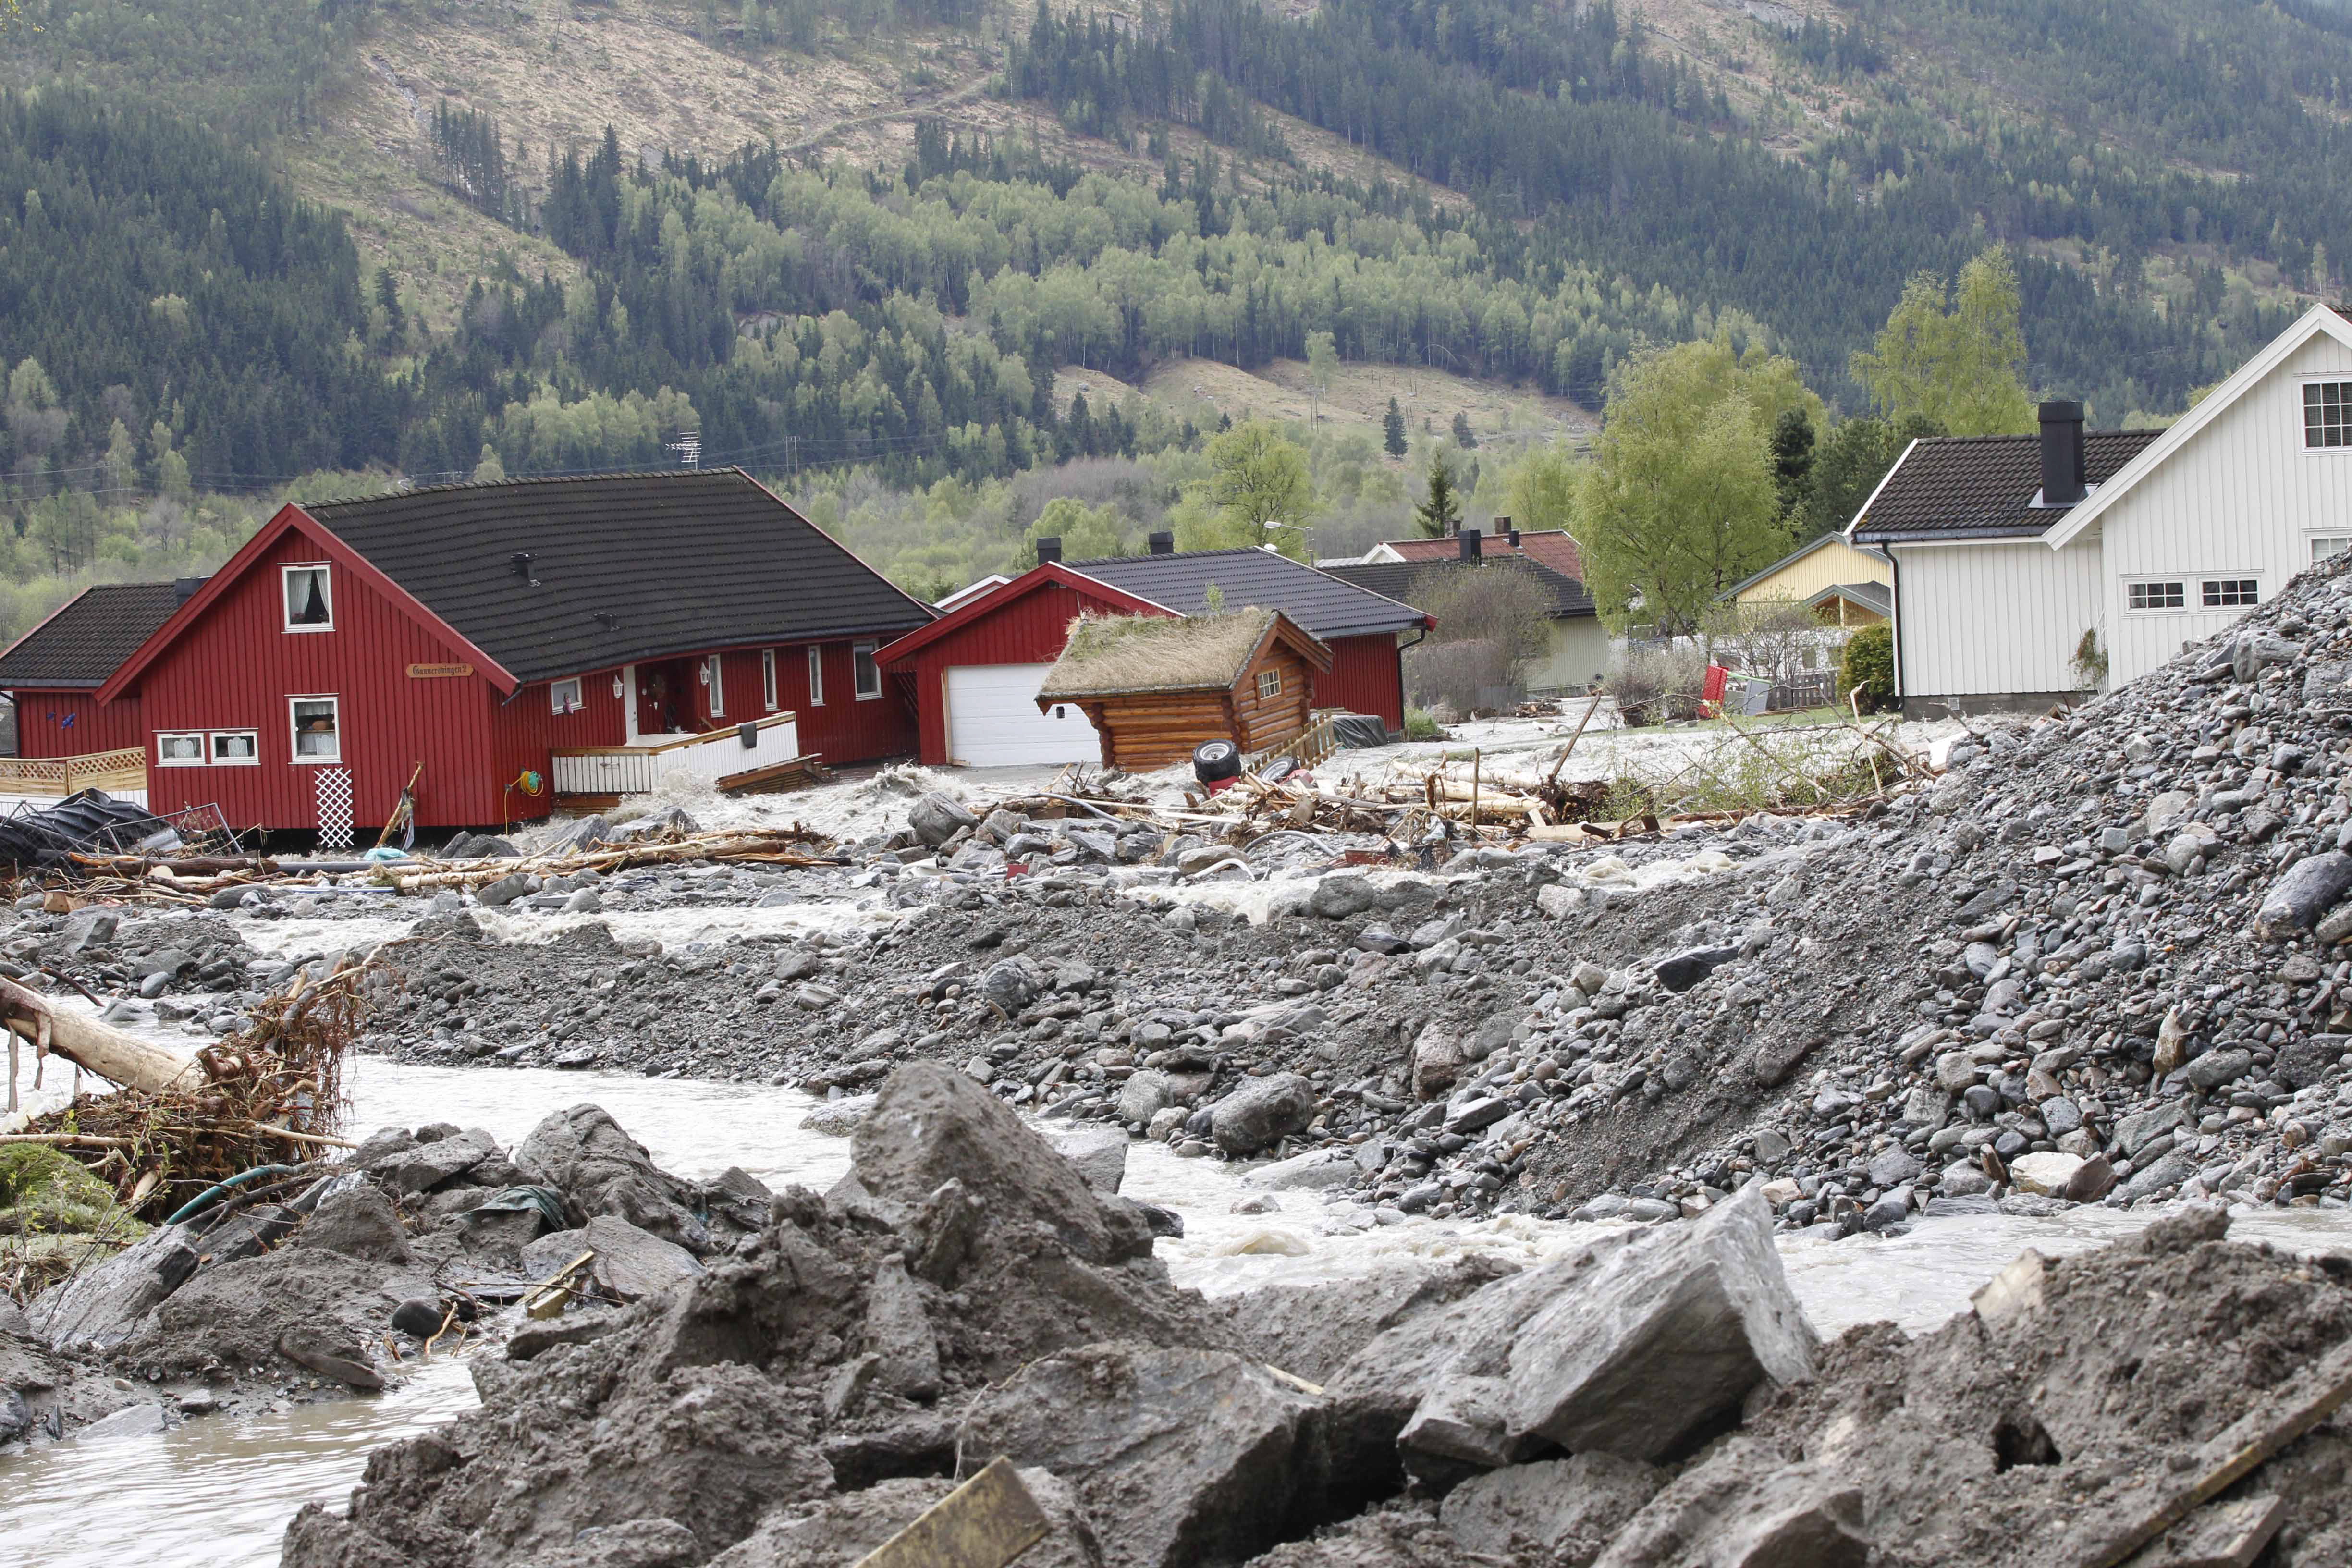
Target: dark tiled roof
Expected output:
[1318,602]
[1550,547]
[88,638]
[1403,579]
[679,561]
[1979,487]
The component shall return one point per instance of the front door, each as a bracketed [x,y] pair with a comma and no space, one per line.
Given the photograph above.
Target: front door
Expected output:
[665,696]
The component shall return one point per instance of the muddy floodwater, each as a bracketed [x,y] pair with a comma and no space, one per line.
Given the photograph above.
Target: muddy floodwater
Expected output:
[217,1492]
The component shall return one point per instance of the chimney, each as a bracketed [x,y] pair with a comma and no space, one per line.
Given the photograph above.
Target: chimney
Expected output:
[186,588]
[2062,454]
[523,559]
[1502,526]
[1163,544]
[1049,548]
[1470,544]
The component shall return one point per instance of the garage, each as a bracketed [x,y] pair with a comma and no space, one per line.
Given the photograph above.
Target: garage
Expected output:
[993,719]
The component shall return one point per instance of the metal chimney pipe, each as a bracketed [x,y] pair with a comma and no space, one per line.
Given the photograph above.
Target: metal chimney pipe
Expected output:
[2064,470]
[1472,547]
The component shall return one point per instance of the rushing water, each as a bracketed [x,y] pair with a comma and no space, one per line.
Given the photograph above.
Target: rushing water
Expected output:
[217,1492]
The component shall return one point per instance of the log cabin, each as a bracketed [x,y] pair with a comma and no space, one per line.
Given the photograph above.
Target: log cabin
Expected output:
[1155,687]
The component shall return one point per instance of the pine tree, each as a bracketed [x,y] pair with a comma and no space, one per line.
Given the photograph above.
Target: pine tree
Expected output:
[1394,426]
[1463,437]
[1439,514]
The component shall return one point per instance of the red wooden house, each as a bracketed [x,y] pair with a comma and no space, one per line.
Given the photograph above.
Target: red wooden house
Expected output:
[54,671]
[585,631]
[973,675]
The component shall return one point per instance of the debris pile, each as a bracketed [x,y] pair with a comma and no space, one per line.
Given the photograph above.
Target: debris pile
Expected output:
[1653,1397]
[307,1279]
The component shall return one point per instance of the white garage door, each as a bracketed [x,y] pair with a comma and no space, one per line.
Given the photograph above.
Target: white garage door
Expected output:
[993,721]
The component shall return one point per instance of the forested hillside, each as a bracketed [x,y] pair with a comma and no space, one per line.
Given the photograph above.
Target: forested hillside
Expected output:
[854,243]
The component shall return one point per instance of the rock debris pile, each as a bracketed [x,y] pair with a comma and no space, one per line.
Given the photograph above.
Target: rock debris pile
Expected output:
[329,1278]
[1653,1397]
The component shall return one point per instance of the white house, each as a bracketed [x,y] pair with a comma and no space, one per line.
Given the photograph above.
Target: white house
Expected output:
[2022,561]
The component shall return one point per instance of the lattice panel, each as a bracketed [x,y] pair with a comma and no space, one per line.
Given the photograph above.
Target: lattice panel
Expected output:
[334,785]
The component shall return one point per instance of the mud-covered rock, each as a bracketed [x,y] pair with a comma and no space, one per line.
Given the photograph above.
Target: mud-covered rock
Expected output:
[358,1221]
[1260,1111]
[840,1530]
[599,1169]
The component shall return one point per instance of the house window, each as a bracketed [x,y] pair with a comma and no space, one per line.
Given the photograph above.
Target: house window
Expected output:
[870,674]
[2328,546]
[768,677]
[179,749]
[236,748]
[1269,683]
[564,696]
[2326,413]
[817,677]
[310,599]
[715,679]
[2229,593]
[318,729]
[2157,595]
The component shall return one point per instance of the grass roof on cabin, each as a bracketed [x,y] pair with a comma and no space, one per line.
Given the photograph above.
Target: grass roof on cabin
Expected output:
[1112,653]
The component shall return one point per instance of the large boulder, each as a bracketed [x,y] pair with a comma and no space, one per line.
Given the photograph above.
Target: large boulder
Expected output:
[425,1166]
[601,1169]
[100,1307]
[358,1221]
[1261,1111]
[1636,1345]
[2303,892]
[630,1263]
[1559,1510]
[841,1530]
[1314,1330]
[248,1311]
[1745,1509]
[1180,1456]
[931,1125]
[936,818]
[1098,1153]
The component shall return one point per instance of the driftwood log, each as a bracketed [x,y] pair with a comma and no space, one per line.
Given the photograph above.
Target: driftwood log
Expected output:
[101,1048]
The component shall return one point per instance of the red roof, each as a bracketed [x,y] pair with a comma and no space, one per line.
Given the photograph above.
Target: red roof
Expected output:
[891,654]
[1551,547]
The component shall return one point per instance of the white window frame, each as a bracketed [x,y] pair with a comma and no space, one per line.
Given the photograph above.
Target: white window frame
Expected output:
[714,676]
[294,732]
[768,677]
[2303,425]
[816,676]
[2179,610]
[285,594]
[1263,690]
[568,695]
[214,737]
[2343,542]
[2205,586]
[165,760]
[861,658]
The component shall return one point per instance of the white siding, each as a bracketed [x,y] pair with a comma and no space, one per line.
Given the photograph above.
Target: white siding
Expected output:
[2240,499]
[1579,656]
[1996,617]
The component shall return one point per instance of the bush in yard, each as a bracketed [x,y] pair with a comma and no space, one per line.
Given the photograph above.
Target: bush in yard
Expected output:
[1868,670]
[1653,682]
[1466,675]
[1421,724]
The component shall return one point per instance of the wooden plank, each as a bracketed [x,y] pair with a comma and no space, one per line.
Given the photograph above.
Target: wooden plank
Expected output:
[986,1522]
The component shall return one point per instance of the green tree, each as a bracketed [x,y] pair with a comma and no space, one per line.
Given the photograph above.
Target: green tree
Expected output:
[1439,513]
[1463,437]
[487,470]
[1322,364]
[1258,479]
[1087,533]
[1542,489]
[1792,460]
[1846,468]
[121,458]
[1679,502]
[1963,368]
[1392,429]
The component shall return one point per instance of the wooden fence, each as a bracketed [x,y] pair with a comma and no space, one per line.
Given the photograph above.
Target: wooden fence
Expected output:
[58,777]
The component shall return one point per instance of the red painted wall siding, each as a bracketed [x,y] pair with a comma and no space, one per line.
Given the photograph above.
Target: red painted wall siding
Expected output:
[1031,630]
[237,665]
[42,729]
[525,732]
[1367,676]
[841,729]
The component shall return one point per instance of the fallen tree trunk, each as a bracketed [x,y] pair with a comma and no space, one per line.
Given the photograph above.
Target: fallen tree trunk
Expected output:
[101,1048]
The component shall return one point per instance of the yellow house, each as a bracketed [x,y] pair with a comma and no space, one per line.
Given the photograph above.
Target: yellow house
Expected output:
[1846,586]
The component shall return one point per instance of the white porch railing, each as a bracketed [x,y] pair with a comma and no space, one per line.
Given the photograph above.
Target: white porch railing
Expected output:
[716,758]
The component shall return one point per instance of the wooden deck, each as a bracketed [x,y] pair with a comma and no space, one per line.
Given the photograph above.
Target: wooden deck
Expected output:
[726,758]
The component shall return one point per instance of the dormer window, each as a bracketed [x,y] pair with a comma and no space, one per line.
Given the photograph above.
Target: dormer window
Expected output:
[310,599]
